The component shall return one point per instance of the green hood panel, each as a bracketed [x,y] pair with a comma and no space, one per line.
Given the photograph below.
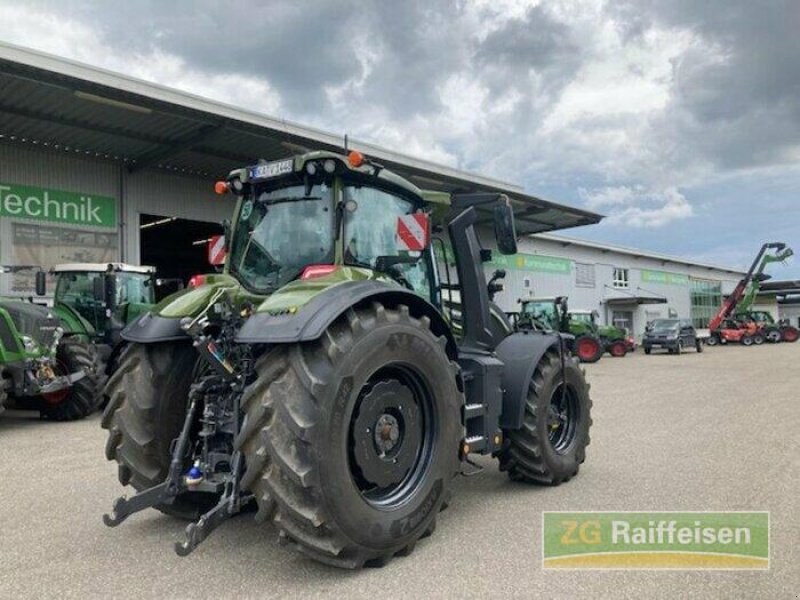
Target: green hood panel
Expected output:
[190,301]
[291,297]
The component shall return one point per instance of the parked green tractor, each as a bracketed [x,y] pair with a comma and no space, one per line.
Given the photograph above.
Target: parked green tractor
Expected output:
[553,314]
[95,301]
[41,368]
[614,339]
[319,377]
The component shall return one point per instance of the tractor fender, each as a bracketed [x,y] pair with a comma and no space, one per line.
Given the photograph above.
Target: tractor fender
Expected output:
[150,328]
[314,317]
[520,353]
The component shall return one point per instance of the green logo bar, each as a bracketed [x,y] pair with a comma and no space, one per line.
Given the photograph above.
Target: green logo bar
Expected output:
[658,540]
[664,277]
[40,204]
[533,262]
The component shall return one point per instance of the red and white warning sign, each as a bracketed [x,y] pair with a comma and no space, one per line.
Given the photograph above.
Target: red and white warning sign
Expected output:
[413,232]
[216,250]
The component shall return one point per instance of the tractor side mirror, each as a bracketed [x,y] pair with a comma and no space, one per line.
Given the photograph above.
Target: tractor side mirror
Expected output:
[41,283]
[99,289]
[504,229]
[107,286]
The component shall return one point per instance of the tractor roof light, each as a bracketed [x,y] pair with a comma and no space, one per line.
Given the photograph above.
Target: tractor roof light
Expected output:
[311,168]
[221,188]
[355,158]
[329,166]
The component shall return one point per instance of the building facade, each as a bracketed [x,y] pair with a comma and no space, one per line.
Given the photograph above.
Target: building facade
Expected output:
[627,287]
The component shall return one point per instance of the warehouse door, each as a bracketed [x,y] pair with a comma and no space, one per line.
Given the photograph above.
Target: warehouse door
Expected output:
[178,248]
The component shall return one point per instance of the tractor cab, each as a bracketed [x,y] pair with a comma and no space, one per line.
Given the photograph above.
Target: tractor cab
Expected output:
[546,314]
[95,298]
[318,217]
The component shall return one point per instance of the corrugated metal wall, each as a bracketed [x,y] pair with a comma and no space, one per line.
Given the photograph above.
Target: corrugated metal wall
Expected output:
[150,191]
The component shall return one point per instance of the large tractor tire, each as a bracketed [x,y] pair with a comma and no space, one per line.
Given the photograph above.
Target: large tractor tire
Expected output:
[351,442]
[551,444]
[148,397]
[617,348]
[773,335]
[3,392]
[790,334]
[588,348]
[85,395]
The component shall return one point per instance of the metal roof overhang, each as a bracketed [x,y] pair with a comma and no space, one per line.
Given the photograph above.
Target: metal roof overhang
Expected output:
[639,296]
[50,102]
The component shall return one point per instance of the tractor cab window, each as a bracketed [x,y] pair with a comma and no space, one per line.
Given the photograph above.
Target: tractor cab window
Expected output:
[544,313]
[76,290]
[279,233]
[136,288]
[370,231]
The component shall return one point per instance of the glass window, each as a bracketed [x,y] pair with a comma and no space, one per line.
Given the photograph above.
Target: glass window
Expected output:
[706,298]
[370,232]
[621,279]
[584,275]
[281,233]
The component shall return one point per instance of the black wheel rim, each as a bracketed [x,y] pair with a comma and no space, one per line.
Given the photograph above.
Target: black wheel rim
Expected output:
[563,415]
[391,436]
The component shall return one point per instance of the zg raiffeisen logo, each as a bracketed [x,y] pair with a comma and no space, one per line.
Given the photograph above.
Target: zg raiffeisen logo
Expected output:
[658,540]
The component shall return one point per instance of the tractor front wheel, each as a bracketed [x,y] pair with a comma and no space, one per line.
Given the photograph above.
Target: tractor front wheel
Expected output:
[747,340]
[790,334]
[351,442]
[84,396]
[148,397]
[588,348]
[551,444]
[618,349]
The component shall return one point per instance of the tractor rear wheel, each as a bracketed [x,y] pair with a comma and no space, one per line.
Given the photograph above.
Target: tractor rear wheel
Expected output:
[588,348]
[85,395]
[551,444]
[148,396]
[773,335]
[3,392]
[351,442]
[618,349]
[790,334]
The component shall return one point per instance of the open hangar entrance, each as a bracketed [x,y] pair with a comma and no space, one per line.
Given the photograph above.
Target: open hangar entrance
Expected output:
[178,248]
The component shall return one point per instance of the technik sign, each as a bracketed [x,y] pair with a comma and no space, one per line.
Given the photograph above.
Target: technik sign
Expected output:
[40,204]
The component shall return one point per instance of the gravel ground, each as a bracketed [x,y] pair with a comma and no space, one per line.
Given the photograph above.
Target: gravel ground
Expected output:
[714,431]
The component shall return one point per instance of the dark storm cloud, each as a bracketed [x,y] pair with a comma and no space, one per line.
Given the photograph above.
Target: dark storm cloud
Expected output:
[735,92]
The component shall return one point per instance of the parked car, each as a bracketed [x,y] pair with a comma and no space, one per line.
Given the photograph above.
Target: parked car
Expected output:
[674,335]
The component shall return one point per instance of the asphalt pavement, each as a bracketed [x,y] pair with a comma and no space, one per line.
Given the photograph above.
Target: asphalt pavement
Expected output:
[711,431]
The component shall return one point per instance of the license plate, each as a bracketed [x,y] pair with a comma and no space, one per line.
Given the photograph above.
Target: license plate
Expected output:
[272,169]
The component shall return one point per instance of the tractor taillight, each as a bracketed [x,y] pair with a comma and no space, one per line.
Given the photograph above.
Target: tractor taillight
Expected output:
[312,271]
[197,280]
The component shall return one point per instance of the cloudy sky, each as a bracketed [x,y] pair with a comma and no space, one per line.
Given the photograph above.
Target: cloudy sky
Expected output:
[678,119]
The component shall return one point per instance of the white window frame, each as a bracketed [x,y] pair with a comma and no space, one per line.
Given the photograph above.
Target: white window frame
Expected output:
[622,277]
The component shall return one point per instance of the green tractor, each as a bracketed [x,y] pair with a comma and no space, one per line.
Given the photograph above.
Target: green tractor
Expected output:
[319,377]
[552,314]
[41,367]
[95,301]
[613,339]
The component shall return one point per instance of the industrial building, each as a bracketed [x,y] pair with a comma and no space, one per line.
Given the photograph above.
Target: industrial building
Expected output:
[96,167]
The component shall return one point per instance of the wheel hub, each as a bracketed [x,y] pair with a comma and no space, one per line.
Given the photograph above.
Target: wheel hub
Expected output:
[386,435]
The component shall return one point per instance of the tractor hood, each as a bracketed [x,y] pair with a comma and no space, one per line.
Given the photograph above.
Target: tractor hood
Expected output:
[37,322]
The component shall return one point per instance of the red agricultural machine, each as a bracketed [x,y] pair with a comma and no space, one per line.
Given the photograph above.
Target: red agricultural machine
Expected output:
[736,323]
